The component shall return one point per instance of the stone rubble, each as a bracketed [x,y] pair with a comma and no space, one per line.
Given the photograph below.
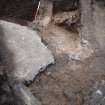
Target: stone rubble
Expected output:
[97,96]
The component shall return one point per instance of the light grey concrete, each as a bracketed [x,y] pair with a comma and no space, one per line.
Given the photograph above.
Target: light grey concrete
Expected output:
[29,54]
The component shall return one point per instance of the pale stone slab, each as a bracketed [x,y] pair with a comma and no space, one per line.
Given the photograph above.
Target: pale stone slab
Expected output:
[30,55]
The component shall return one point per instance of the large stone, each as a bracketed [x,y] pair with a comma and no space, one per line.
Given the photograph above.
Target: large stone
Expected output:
[28,54]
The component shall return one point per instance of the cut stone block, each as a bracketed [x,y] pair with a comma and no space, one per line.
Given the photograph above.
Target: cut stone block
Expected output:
[30,55]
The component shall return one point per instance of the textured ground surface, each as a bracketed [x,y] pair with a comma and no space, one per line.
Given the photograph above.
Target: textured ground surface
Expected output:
[70,82]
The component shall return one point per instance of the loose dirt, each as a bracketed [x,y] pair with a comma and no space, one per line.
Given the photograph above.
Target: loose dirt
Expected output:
[69,81]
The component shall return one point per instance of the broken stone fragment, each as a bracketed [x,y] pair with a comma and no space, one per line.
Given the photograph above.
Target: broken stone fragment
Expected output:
[26,55]
[66,17]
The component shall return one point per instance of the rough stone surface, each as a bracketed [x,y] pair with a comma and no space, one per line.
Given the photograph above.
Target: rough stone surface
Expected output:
[66,17]
[28,54]
[97,96]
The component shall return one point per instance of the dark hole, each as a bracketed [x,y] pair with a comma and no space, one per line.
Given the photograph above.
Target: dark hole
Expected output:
[21,9]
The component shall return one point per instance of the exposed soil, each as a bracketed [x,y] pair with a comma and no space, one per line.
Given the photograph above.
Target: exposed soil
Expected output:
[68,81]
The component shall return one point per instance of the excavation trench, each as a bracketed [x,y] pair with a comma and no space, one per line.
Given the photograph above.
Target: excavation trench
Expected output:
[79,63]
